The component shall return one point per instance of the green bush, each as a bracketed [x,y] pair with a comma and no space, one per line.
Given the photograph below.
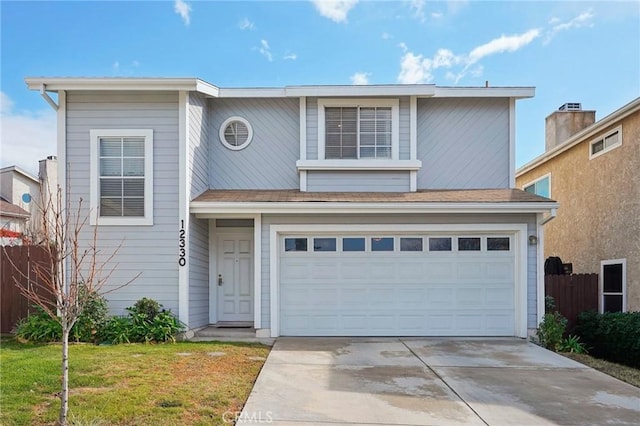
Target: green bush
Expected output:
[551,329]
[146,322]
[611,336]
[95,314]
[39,327]
[572,344]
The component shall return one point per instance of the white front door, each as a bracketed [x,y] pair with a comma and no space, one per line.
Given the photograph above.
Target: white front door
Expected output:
[235,276]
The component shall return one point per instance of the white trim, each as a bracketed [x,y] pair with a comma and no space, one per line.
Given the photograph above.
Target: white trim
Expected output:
[118,83]
[208,209]
[623,262]
[413,181]
[580,137]
[363,90]
[602,138]
[257,271]
[540,290]
[303,180]
[485,92]
[394,104]
[519,231]
[413,128]
[223,128]
[253,92]
[183,205]
[512,143]
[94,179]
[368,164]
[303,128]
[213,272]
[533,182]
[62,150]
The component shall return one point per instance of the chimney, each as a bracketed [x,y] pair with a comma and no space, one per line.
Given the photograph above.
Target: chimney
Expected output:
[568,120]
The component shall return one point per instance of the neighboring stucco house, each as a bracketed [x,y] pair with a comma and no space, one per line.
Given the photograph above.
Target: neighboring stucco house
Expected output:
[593,169]
[308,210]
[21,196]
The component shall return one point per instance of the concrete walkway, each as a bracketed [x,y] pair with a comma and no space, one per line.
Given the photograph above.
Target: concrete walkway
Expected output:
[413,381]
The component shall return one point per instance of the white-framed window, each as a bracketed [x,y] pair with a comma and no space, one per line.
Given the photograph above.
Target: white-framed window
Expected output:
[236,133]
[121,176]
[606,143]
[358,129]
[540,186]
[613,285]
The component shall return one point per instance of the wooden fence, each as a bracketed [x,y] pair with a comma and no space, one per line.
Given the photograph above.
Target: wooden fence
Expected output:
[16,262]
[572,294]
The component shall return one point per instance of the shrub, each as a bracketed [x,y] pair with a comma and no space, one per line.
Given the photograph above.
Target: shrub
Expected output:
[612,336]
[146,322]
[93,319]
[39,327]
[551,329]
[572,344]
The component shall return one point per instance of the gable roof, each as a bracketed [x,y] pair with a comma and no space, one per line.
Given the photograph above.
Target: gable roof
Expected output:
[583,135]
[18,170]
[52,84]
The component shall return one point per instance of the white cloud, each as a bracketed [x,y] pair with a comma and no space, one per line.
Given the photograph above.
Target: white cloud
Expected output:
[26,136]
[386,36]
[415,69]
[184,10]
[265,50]
[336,10]
[503,44]
[121,69]
[455,6]
[417,7]
[402,45]
[360,78]
[582,20]
[437,15]
[246,24]
[290,57]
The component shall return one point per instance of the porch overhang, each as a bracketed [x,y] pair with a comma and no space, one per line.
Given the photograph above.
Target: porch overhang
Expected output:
[214,203]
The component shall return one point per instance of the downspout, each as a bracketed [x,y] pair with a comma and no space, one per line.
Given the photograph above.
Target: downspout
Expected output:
[46,97]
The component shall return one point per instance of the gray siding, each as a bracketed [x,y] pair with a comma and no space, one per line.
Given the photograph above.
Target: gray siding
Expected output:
[198,272]
[405,129]
[463,143]
[198,168]
[147,250]
[529,219]
[357,181]
[269,162]
[312,128]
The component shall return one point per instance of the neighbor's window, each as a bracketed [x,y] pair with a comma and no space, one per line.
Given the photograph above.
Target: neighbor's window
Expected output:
[613,285]
[540,186]
[121,177]
[611,140]
[364,131]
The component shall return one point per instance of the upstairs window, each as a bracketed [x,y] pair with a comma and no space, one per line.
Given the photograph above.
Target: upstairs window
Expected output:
[358,130]
[541,186]
[609,141]
[121,177]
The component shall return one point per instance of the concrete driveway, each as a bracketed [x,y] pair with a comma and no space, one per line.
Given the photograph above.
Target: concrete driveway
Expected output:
[430,381]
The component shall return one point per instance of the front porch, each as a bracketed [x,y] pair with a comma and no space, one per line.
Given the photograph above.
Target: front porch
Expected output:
[224,333]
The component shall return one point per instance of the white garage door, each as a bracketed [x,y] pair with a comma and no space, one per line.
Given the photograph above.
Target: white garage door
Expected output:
[397,285]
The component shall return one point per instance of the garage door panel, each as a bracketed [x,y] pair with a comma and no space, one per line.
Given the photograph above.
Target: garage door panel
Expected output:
[397,293]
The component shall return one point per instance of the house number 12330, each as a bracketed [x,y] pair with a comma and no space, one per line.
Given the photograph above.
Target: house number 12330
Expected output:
[182,241]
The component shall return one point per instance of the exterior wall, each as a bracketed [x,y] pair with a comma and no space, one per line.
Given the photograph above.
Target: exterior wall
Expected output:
[269,162]
[366,181]
[14,185]
[445,219]
[463,143]
[198,170]
[147,250]
[599,214]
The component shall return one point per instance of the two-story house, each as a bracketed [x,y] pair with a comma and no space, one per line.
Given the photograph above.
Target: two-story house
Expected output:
[593,169]
[309,210]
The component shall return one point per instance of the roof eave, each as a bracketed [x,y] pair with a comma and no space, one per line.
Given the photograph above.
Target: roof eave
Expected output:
[213,207]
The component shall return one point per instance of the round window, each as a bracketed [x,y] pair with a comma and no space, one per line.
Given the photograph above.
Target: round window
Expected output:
[236,133]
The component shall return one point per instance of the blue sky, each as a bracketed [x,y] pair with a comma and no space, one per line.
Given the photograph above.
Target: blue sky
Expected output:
[571,51]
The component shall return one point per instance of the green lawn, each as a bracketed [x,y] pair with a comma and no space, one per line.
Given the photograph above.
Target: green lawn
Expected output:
[136,384]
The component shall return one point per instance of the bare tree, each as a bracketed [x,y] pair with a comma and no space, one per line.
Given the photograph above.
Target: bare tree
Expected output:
[76,269]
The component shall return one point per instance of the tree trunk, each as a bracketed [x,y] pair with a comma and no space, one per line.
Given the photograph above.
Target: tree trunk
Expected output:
[64,395]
